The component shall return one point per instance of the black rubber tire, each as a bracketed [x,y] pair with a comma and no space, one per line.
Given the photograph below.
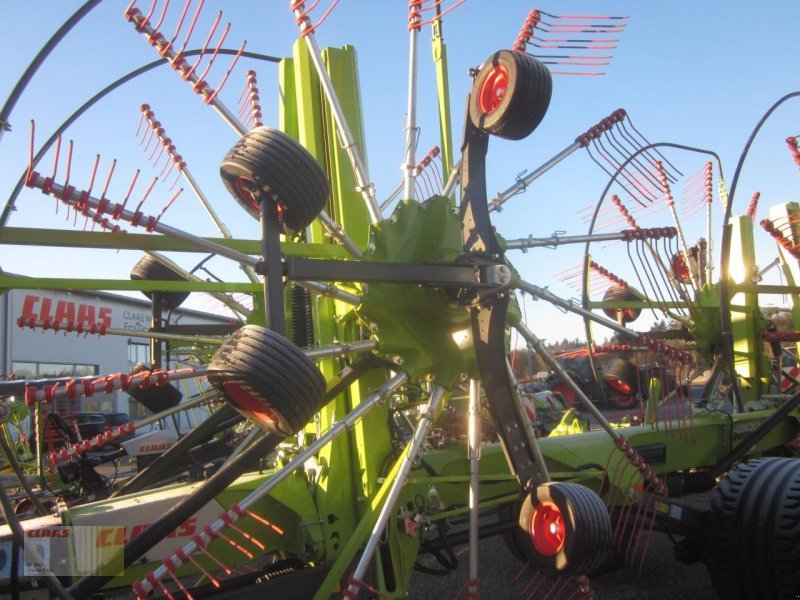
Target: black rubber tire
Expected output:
[617,293]
[587,529]
[267,379]
[515,538]
[273,165]
[150,269]
[622,376]
[753,545]
[527,86]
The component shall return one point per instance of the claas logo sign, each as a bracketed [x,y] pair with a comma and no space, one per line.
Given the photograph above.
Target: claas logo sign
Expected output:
[65,311]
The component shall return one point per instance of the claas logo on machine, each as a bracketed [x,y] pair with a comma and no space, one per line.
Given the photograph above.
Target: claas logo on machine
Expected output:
[117,536]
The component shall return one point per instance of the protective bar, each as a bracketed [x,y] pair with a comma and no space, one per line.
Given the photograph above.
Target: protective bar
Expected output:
[397,486]
[346,137]
[522,184]
[409,164]
[474,481]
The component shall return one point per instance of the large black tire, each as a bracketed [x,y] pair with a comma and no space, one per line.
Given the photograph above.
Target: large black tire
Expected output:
[564,529]
[267,164]
[622,376]
[753,544]
[267,379]
[150,269]
[618,293]
[510,95]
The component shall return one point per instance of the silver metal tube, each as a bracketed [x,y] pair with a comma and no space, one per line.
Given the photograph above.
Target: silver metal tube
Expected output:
[200,243]
[297,462]
[340,349]
[359,168]
[521,184]
[553,365]
[411,123]
[397,485]
[224,298]
[527,431]
[474,479]
[197,401]
[221,227]
[693,275]
[452,181]
[556,240]
[61,391]
[254,433]
[385,204]
[326,289]
[550,297]
[193,78]
[192,339]
[333,228]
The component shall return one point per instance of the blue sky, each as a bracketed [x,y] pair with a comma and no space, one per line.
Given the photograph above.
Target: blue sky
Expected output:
[697,73]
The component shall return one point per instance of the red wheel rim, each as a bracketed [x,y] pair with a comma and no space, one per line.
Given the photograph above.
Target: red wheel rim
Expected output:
[547,529]
[243,187]
[250,404]
[619,386]
[679,268]
[246,194]
[493,89]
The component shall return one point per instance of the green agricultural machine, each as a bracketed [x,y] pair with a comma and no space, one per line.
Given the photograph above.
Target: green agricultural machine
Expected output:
[364,325]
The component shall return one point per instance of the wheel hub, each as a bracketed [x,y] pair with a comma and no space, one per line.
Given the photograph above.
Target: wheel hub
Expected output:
[547,529]
[493,89]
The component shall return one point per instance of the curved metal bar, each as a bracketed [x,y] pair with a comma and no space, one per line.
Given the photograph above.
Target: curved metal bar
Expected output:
[585,293]
[37,61]
[97,97]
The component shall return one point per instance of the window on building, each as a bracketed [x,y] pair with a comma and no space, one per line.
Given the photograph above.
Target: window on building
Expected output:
[24,370]
[51,370]
[138,352]
[42,370]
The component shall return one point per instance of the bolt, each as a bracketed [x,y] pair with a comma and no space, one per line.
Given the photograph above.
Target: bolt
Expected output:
[398,360]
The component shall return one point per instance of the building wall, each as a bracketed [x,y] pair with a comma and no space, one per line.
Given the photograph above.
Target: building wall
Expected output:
[51,354]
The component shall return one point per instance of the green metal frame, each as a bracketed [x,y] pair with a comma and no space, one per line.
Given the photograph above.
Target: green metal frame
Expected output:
[327,512]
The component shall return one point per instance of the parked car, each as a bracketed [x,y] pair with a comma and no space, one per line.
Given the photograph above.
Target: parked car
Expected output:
[95,423]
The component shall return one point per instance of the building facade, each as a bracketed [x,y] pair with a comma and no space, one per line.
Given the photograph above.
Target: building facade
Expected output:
[34,354]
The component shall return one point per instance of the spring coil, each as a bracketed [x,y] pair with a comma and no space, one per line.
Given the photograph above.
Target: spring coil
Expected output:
[302,321]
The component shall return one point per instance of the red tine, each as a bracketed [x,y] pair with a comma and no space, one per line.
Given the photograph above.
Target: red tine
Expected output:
[130,188]
[205,47]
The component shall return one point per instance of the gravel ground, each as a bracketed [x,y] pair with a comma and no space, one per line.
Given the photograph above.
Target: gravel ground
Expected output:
[660,577]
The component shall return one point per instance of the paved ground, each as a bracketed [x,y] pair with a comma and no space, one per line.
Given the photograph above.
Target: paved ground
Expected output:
[658,577]
[661,577]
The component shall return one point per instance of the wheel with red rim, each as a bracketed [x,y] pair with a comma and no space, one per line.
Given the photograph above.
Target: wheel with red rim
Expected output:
[267,164]
[622,376]
[267,379]
[510,95]
[564,528]
[618,293]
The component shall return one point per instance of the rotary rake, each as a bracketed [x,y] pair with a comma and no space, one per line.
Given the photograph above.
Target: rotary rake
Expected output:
[355,329]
